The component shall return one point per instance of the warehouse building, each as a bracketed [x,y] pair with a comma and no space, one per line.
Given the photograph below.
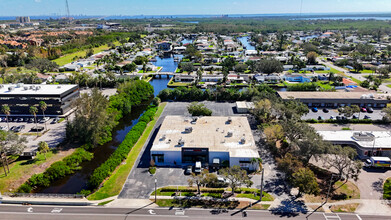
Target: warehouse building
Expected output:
[19,97]
[213,141]
[367,143]
[338,99]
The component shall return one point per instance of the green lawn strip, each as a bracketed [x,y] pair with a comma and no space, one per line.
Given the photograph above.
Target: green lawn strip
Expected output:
[389,86]
[104,203]
[115,182]
[355,80]
[265,197]
[69,57]
[349,189]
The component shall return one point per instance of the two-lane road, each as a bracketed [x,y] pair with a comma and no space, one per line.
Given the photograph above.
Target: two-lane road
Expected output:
[18,212]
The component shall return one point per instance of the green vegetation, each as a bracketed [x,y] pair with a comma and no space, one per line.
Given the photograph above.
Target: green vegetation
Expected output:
[387,189]
[114,184]
[104,203]
[121,153]
[198,109]
[345,208]
[346,190]
[256,196]
[56,171]
[69,58]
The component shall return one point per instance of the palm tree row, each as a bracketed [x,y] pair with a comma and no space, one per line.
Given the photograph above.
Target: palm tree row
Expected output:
[5,109]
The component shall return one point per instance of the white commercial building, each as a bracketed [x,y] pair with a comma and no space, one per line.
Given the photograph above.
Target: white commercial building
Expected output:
[214,141]
[367,143]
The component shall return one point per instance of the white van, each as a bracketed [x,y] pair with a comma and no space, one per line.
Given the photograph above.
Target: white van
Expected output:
[197,168]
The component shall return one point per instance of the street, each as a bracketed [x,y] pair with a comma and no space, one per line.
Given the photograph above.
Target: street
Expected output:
[16,212]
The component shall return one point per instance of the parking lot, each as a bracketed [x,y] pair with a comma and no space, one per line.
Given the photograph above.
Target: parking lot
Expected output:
[376,115]
[54,135]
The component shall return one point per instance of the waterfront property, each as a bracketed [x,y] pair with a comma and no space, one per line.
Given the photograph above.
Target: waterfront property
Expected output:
[297,78]
[337,99]
[213,141]
[367,144]
[19,97]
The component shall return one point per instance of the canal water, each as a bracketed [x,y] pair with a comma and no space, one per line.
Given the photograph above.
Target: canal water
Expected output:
[78,181]
[246,43]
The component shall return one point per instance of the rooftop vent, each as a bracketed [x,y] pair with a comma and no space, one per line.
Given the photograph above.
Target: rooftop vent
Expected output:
[163,138]
[181,142]
[11,88]
[58,87]
[229,134]
[229,121]
[188,130]
[243,140]
[25,88]
[194,121]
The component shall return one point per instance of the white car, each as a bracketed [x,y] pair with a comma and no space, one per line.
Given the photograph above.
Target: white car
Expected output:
[3,128]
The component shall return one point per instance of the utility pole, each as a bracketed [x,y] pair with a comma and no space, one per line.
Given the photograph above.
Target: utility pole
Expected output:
[155,188]
[327,197]
[260,196]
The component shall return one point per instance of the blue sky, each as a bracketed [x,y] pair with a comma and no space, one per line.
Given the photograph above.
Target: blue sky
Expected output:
[180,7]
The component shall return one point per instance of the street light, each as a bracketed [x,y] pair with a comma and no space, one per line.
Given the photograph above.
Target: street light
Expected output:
[155,188]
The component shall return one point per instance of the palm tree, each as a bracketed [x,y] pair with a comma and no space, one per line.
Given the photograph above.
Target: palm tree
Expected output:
[43,106]
[7,111]
[43,148]
[33,111]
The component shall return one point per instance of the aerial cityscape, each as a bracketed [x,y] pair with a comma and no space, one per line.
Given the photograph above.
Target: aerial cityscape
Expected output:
[214,110]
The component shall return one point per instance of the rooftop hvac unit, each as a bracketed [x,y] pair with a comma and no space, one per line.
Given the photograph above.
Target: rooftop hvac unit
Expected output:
[10,88]
[58,87]
[181,142]
[26,88]
[19,85]
[194,120]
[243,140]
[229,134]
[188,130]
[163,138]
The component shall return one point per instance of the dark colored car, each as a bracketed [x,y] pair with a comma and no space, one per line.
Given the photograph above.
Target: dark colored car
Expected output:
[19,128]
[320,118]
[355,117]
[367,117]
[370,110]
[338,117]
[325,110]
[314,109]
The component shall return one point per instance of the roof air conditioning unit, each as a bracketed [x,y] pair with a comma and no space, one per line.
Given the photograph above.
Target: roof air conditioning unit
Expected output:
[25,88]
[188,130]
[10,88]
[181,142]
[243,140]
[229,120]
[58,87]
[163,138]
[229,134]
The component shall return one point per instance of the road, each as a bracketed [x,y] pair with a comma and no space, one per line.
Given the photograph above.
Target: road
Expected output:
[96,213]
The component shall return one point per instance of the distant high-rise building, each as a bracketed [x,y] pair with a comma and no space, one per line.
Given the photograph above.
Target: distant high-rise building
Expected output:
[23,19]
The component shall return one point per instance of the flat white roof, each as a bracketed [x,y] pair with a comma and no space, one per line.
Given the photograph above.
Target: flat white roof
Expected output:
[382,138]
[207,132]
[34,89]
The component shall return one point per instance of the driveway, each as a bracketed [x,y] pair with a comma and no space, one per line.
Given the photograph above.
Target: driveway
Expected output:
[140,184]
[370,182]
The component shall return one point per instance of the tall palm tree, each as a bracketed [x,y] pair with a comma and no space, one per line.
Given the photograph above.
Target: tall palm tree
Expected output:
[43,106]
[7,111]
[33,111]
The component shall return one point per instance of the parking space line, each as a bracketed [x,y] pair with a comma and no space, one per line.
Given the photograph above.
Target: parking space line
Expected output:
[359,218]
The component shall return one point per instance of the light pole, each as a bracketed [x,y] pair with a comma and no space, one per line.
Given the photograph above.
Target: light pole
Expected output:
[155,188]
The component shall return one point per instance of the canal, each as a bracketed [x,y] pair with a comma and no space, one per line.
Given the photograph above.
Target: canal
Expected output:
[246,43]
[78,181]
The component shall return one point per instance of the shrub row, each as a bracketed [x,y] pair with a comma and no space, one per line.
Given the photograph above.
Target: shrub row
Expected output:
[121,153]
[56,171]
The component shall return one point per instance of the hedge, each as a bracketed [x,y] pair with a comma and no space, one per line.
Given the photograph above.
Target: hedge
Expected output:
[121,153]
[56,171]
[181,189]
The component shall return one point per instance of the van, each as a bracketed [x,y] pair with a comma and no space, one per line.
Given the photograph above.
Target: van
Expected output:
[197,168]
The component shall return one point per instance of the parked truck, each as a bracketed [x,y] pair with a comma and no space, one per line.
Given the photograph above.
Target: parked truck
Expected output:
[378,162]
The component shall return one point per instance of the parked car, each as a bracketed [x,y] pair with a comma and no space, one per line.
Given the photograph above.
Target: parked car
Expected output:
[31,120]
[3,128]
[314,109]
[367,117]
[20,119]
[189,170]
[320,118]
[197,168]
[370,110]
[355,117]
[338,117]
[37,129]
[19,128]
[56,120]
[332,117]
[325,110]
[363,109]
[12,128]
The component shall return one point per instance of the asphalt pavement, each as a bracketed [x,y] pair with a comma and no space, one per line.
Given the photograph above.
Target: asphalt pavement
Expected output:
[376,115]
[96,213]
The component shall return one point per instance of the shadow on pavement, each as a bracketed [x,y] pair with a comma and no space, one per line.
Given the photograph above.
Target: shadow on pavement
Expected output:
[146,157]
[290,208]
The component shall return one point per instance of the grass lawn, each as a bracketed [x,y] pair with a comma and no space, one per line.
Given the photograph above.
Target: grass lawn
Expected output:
[345,208]
[115,182]
[266,196]
[326,85]
[104,203]
[346,192]
[69,57]
[389,86]
[22,170]
[355,80]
